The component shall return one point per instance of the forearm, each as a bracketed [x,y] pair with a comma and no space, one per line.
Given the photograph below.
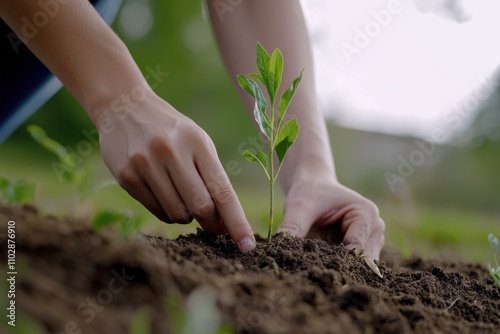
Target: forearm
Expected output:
[278,24]
[80,49]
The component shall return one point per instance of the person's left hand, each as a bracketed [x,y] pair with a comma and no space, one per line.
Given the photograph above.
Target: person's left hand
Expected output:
[330,211]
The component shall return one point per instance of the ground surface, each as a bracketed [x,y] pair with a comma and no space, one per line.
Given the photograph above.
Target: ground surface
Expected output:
[71,278]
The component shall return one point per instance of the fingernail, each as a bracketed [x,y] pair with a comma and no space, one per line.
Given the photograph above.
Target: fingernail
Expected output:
[246,244]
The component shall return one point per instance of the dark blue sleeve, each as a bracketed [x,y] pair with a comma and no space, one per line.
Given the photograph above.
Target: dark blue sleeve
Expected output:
[25,83]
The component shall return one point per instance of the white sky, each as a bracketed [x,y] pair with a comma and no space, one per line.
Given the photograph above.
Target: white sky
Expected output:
[415,74]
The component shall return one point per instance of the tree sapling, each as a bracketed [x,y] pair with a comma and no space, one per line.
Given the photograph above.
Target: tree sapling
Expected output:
[280,134]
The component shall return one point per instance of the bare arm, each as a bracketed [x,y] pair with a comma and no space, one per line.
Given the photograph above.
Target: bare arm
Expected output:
[317,205]
[157,154]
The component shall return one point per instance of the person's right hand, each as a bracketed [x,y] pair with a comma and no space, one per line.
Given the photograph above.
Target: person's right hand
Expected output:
[170,165]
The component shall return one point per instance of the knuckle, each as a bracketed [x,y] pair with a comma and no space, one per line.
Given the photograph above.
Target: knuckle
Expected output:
[198,137]
[139,160]
[224,195]
[188,129]
[203,209]
[160,147]
[372,208]
[180,217]
[128,178]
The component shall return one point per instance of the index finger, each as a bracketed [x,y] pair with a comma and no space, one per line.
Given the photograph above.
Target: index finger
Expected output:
[226,202]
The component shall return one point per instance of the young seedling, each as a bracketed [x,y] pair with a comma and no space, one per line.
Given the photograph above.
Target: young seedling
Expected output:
[67,166]
[16,192]
[127,223]
[494,272]
[279,134]
[73,173]
[77,175]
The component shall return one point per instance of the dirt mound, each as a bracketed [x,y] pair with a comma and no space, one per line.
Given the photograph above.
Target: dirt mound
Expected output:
[71,277]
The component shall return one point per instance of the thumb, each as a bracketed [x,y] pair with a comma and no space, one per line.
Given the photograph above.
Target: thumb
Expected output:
[298,217]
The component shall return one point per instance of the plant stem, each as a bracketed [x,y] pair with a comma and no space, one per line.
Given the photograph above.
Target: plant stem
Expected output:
[271,176]
[271,208]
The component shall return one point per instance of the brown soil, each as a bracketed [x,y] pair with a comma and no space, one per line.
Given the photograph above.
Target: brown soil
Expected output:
[289,286]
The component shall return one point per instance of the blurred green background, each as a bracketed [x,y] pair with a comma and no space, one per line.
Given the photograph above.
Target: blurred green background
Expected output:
[445,208]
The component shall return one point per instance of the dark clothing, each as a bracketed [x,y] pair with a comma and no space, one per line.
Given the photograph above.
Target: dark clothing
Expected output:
[25,83]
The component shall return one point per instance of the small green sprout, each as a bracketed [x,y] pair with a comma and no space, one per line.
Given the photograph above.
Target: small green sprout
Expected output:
[16,192]
[280,134]
[68,168]
[127,223]
[494,272]
[74,173]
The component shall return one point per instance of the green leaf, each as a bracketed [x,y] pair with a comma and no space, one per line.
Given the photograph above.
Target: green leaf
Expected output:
[287,97]
[285,138]
[17,192]
[263,61]
[129,226]
[40,136]
[257,77]
[73,172]
[140,323]
[24,191]
[260,109]
[275,74]
[106,218]
[243,81]
[494,242]
[7,190]
[260,158]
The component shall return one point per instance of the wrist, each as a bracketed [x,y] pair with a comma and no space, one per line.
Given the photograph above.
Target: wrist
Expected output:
[308,170]
[117,109]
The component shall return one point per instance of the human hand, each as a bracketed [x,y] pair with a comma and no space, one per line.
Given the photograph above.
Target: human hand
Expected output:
[330,211]
[169,164]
